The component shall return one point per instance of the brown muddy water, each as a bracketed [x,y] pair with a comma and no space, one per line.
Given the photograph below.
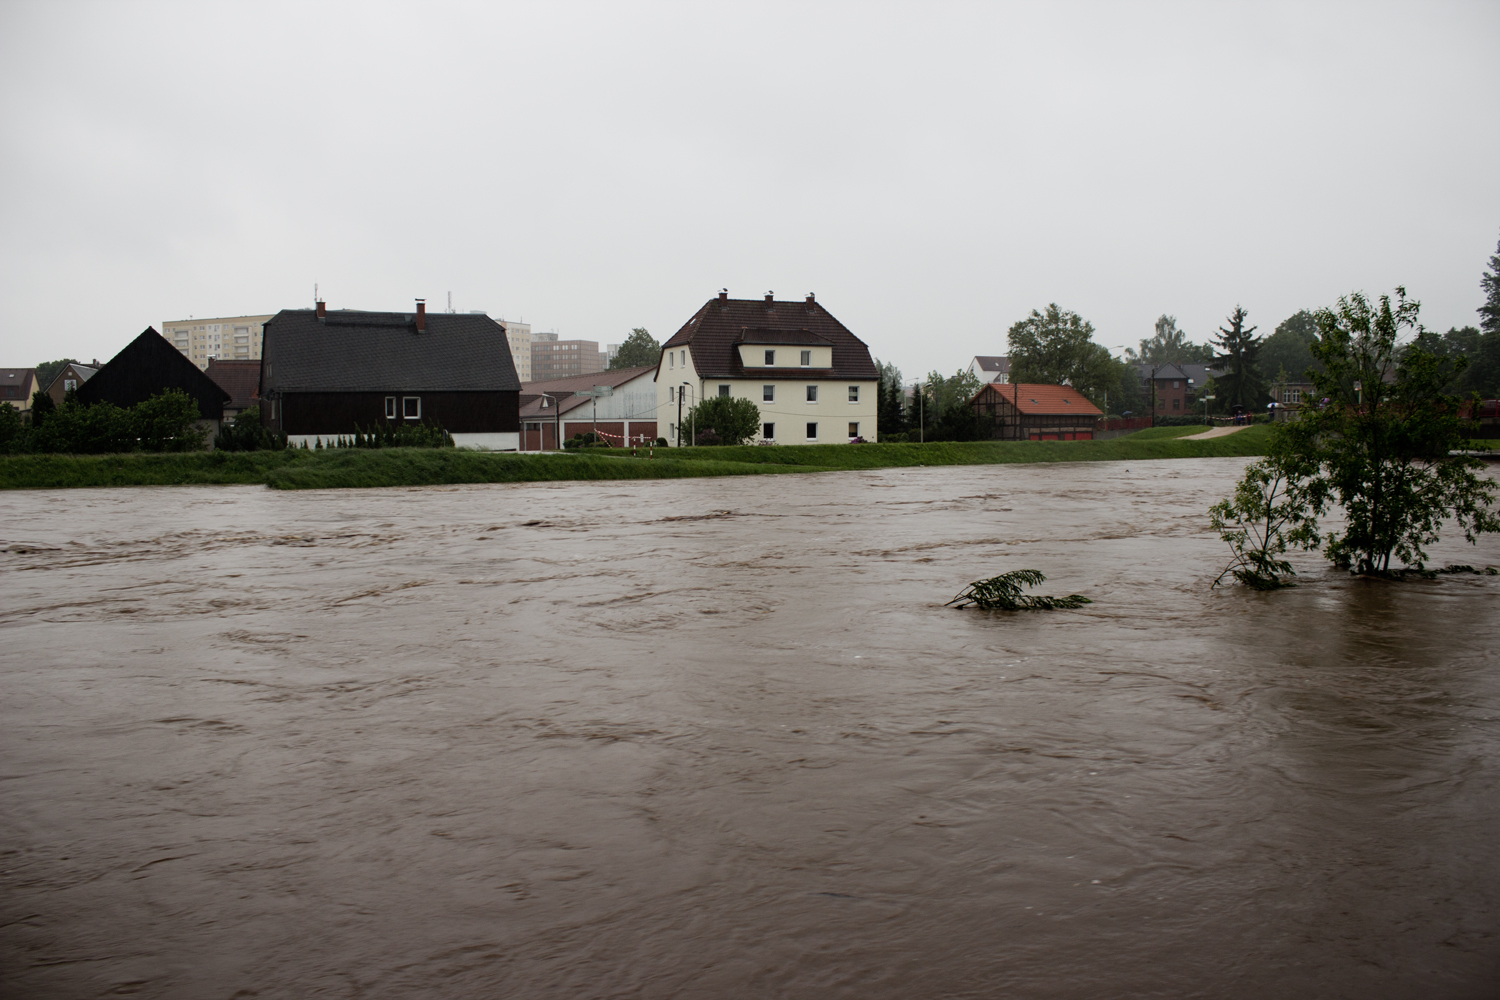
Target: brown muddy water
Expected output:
[720,738]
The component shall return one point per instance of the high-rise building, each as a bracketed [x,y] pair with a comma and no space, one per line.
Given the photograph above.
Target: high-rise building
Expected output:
[519,335]
[554,358]
[230,338]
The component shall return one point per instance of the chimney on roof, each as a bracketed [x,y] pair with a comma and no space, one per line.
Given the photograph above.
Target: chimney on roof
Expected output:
[770,299]
[810,300]
[322,309]
[723,295]
[421,315]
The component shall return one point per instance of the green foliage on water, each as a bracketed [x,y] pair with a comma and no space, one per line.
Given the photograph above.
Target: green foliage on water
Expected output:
[297,468]
[1003,593]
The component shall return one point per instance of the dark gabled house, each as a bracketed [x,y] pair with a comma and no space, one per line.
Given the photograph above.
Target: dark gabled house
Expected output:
[329,373]
[813,380]
[149,365]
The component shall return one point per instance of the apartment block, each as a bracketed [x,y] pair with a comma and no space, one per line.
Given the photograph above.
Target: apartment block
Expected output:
[228,338]
[519,335]
[553,358]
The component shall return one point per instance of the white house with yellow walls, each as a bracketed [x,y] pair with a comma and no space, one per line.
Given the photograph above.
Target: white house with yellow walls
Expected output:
[814,381]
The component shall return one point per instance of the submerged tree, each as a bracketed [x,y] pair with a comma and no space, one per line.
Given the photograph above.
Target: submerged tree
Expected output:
[1003,593]
[1384,443]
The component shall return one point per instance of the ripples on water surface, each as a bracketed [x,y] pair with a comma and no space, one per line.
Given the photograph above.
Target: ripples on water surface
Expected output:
[719,738]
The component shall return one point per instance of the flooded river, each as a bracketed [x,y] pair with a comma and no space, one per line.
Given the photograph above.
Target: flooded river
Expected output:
[720,738]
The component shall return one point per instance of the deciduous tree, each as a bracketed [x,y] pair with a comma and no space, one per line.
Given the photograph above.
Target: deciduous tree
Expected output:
[1388,447]
[734,419]
[1057,348]
[639,350]
[1169,346]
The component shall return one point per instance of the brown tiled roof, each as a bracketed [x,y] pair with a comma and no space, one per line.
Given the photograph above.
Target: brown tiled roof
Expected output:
[721,324]
[241,379]
[1042,400]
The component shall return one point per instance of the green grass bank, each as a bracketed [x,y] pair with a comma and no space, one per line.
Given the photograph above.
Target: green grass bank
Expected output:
[345,468]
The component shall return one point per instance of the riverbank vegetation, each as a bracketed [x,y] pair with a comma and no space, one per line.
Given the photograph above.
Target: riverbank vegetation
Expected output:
[350,467]
[1388,446]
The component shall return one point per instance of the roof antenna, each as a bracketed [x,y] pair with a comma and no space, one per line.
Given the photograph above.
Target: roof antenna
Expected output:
[315,293]
[450,301]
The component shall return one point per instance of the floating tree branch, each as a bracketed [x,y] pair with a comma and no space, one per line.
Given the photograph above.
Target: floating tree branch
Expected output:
[1003,593]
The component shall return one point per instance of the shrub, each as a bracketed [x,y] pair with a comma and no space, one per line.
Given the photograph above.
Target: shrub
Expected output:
[246,433]
[168,421]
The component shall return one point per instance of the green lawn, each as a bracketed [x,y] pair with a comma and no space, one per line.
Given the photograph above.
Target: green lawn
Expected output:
[298,469]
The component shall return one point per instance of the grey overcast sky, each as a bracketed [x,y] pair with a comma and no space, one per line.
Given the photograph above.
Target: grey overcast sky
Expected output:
[931,170]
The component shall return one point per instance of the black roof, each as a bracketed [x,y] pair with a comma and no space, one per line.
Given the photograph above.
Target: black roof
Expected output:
[354,351]
[146,366]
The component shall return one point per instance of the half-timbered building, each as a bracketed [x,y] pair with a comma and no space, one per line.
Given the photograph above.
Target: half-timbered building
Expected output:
[1024,412]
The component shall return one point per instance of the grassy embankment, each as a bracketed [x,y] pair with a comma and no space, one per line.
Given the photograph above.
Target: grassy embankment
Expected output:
[297,469]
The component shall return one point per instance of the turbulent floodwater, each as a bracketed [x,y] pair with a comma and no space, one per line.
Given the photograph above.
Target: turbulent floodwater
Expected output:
[720,738]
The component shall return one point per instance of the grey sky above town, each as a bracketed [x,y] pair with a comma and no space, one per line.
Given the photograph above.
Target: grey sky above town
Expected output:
[932,171]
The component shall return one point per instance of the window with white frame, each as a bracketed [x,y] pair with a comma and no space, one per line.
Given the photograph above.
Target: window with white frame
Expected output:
[812,432]
[770,358]
[768,431]
[411,407]
[812,394]
[390,407]
[723,390]
[807,359]
[768,393]
[854,394]
[854,428]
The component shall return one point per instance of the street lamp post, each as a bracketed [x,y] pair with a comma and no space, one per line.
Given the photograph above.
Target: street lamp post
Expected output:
[556,423]
[691,435]
[1205,409]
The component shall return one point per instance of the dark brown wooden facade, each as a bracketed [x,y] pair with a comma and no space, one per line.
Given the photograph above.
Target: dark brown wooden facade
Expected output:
[325,413]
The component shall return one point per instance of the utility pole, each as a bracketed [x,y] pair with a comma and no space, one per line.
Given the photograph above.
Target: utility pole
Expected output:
[679,416]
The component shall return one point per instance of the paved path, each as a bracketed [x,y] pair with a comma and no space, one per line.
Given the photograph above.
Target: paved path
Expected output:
[1216,432]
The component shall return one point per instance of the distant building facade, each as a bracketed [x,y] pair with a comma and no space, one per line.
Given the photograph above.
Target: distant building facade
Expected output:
[1177,387]
[990,368]
[553,358]
[519,336]
[17,386]
[69,379]
[232,338]
[626,417]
